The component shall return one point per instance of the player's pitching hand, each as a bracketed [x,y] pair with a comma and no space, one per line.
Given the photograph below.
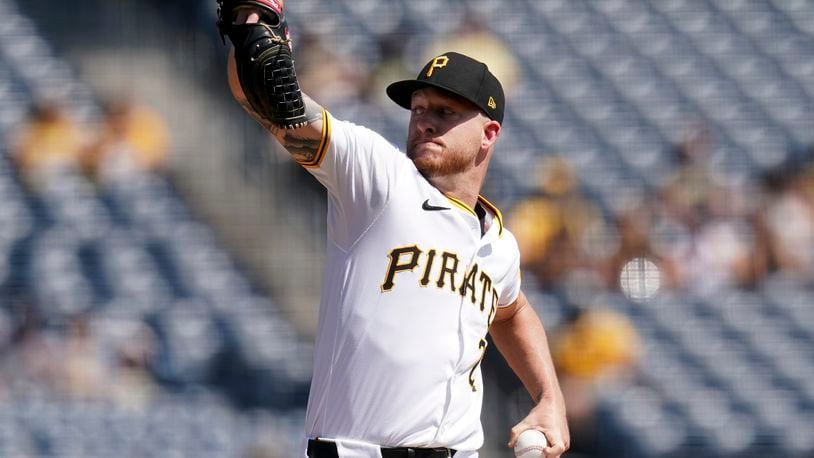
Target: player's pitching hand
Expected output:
[248,16]
[547,416]
[251,15]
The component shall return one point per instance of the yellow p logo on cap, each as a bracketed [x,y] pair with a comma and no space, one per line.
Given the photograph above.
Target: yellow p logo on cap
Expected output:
[438,62]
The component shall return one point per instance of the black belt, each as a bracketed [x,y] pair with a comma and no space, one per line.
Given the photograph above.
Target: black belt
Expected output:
[326,449]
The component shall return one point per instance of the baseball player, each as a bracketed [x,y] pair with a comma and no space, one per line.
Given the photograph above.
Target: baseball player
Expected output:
[418,266]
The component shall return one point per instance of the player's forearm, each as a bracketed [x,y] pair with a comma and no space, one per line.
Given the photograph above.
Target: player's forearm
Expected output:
[522,341]
[303,142]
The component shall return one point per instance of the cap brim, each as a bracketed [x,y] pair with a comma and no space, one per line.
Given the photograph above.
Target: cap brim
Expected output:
[401,92]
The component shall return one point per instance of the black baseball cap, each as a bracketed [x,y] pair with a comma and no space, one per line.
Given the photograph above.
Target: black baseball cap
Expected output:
[459,74]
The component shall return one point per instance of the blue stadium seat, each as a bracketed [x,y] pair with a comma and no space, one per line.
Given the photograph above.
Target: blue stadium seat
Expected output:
[649,428]
[189,341]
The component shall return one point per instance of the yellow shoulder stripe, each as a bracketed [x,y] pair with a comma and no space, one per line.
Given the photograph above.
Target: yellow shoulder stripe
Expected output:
[323,142]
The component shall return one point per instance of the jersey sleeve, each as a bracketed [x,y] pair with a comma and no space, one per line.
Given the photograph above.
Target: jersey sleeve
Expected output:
[359,169]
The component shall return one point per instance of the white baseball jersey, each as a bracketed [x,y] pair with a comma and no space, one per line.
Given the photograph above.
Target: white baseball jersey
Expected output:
[410,288]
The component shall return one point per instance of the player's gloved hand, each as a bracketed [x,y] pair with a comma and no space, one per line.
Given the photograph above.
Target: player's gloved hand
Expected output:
[265,66]
[547,416]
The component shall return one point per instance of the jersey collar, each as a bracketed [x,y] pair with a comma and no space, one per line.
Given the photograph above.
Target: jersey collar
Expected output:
[488,206]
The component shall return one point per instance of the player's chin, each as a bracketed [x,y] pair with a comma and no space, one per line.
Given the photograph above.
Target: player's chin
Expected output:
[425,155]
[428,165]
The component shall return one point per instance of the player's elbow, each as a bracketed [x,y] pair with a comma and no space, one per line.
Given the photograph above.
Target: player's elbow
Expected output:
[510,311]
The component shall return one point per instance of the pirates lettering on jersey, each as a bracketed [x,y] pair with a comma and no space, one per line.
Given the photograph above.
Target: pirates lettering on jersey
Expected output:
[474,283]
[397,264]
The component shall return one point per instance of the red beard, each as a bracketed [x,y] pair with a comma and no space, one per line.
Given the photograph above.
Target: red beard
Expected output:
[446,162]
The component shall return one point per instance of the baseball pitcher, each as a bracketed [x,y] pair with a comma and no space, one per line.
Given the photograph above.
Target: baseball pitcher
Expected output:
[419,267]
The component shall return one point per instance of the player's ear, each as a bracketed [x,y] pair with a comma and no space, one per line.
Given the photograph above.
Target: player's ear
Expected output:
[491,132]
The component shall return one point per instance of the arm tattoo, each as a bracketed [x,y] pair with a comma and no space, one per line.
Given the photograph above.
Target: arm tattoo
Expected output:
[246,106]
[301,143]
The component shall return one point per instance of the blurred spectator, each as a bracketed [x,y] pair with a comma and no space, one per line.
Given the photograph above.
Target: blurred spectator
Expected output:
[598,348]
[550,224]
[688,190]
[28,362]
[475,39]
[787,218]
[598,344]
[710,219]
[80,372]
[390,68]
[49,142]
[724,252]
[132,138]
[271,446]
[131,384]
[327,76]
[635,227]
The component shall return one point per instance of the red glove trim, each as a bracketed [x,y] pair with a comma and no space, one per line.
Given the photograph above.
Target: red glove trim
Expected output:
[275,5]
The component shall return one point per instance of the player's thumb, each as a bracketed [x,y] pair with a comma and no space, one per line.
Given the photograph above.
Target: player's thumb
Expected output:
[555,448]
[515,432]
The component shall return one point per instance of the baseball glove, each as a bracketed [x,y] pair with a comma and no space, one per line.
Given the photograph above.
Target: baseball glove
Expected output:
[265,66]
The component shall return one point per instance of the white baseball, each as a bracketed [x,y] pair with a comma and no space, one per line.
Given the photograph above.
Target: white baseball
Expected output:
[530,444]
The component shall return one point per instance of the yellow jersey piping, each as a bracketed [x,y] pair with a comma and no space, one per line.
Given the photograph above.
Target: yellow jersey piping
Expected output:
[495,211]
[489,206]
[323,143]
[461,204]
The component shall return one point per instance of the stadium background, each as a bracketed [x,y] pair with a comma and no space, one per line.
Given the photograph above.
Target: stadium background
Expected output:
[655,165]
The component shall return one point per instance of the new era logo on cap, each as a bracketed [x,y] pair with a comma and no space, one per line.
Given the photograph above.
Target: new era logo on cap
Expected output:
[459,74]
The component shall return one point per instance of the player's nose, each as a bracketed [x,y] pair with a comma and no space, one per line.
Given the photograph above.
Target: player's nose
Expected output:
[424,123]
